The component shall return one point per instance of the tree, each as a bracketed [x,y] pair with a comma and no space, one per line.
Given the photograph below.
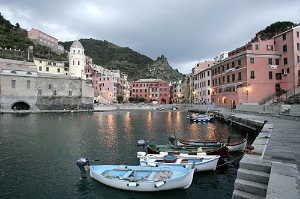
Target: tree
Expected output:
[131,99]
[120,98]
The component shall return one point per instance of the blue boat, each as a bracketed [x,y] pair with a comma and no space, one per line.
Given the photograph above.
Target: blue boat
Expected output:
[138,178]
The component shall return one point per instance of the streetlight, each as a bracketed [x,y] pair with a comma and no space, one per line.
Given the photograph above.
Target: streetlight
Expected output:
[247,91]
[194,93]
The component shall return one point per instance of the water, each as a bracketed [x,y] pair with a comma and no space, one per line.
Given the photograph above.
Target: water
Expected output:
[39,152]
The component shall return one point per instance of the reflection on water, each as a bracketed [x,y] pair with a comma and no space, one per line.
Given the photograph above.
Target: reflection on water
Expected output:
[39,151]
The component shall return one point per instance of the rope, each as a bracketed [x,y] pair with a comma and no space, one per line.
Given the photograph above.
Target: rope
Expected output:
[231,160]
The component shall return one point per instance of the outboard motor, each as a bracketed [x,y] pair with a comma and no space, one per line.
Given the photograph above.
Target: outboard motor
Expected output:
[172,139]
[142,144]
[82,163]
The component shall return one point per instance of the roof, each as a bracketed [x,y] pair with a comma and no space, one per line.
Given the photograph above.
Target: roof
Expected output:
[76,44]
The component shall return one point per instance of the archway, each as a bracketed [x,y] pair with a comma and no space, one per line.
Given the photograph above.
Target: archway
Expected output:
[20,106]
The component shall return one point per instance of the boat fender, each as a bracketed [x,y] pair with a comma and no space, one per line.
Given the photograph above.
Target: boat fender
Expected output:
[159,184]
[152,164]
[132,184]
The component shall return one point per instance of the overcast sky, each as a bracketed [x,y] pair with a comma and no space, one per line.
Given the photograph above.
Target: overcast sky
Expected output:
[183,31]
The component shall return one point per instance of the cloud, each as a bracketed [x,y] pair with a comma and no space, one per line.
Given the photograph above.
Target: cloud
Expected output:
[184,31]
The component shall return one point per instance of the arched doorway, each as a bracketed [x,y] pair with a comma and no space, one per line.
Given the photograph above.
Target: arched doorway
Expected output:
[20,106]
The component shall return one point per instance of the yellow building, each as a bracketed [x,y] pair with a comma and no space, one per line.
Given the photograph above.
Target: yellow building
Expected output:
[50,66]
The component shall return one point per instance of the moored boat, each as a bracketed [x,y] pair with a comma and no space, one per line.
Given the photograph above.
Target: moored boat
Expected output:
[233,145]
[200,161]
[200,118]
[156,149]
[139,178]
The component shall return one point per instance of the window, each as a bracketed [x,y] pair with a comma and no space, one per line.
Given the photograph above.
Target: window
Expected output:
[278,76]
[285,61]
[40,68]
[233,77]
[13,83]
[70,92]
[28,84]
[284,36]
[284,48]
[208,82]
[270,61]
[269,47]
[277,61]
[40,61]
[54,92]
[298,46]
[270,75]
[256,47]
[58,70]
[73,62]
[240,76]
[239,62]
[297,33]
[78,63]
[39,91]
[47,69]
[252,76]
[285,71]
[228,78]
[251,60]
[298,59]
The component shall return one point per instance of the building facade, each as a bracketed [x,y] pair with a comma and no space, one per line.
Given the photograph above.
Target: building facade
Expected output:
[176,92]
[26,89]
[258,71]
[50,66]
[44,39]
[151,90]
[201,83]
[77,60]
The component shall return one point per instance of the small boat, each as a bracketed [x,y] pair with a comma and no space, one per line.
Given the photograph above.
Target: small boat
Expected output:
[204,143]
[200,161]
[156,149]
[233,145]
[200,118]
[139,178]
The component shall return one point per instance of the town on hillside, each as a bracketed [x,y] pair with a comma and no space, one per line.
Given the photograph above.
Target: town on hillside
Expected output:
[264,70]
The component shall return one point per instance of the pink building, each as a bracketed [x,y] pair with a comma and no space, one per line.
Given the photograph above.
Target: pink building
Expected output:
[258,71]
[201,83]
[151,90]
[44,39]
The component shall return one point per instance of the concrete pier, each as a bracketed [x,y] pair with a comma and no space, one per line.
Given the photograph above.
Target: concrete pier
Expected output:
[271,169]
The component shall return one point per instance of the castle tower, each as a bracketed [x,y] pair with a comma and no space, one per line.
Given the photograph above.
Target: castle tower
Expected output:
[77,60]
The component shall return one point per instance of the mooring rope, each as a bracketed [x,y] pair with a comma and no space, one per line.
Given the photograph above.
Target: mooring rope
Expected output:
[231,160]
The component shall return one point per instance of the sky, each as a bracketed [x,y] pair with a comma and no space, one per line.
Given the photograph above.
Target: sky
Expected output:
[185,32]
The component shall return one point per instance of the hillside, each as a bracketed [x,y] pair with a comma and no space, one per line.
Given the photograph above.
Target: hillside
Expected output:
[136,65]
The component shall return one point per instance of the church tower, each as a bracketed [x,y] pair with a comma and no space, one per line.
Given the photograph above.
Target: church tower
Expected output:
[77,60]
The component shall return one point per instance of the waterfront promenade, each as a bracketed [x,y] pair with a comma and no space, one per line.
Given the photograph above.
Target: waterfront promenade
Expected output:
[278,146]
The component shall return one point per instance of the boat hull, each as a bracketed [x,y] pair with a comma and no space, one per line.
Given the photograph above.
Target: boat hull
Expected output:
[156,149]
[201,162]
[145,179]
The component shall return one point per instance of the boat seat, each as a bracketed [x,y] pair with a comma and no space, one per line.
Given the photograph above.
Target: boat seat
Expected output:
[127,174]
[151,175]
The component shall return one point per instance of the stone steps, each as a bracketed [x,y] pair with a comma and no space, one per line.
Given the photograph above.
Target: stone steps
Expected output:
[252,179]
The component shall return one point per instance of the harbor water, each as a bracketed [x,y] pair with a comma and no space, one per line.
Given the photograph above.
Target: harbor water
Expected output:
[39,152]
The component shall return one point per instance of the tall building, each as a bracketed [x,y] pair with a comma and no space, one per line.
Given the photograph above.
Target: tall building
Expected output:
[77,60]
[259,71]
[201,86]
